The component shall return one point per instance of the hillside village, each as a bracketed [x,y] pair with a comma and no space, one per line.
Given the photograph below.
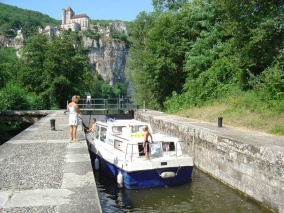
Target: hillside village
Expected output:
[73,22]
[107,55]
[81,22]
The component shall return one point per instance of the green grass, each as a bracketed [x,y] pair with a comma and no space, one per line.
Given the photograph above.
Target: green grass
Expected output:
[277,129]
[242,111]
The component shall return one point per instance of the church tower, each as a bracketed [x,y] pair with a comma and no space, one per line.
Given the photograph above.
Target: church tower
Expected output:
[63,16]
[69,14]
[74,22]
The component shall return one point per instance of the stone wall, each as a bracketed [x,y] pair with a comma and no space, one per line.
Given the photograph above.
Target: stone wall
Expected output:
[250,162]
[29,116]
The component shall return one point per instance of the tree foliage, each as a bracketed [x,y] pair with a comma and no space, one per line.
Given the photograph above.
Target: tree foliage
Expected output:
[8,65]
[49,72]
[13,97]
[12,17]
[135,69]
[195,52]
[164,5]
[54,70]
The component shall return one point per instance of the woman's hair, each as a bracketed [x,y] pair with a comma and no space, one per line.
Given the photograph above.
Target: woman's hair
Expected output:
[75,98]
[145,128]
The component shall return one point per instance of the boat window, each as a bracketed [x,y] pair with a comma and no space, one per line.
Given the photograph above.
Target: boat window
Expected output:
[97,133]
[156,150]
[118,144]
[117,129]
[103,132]
[168,146]
[136,128]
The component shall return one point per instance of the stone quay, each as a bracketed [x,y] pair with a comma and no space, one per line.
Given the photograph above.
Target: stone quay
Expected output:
[43,171]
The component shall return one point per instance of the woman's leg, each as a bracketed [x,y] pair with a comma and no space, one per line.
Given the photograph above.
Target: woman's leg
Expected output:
[75,133]
[71,132]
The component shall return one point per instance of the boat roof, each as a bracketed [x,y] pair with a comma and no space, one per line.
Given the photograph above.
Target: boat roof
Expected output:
[123,122]
[137,133]
[128,121]
[156,138]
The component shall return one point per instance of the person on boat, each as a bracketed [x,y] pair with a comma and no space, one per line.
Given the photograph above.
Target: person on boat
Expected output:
[74,110]
[92,128]
[146,142]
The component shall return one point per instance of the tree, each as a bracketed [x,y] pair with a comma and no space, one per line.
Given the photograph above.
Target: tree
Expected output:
[257,30]
[30,73]
[120,89]
[13,97]
[234,47]
[135,69]
[106,90]
[8,65]
[156,63]
[163,5]
[54,69]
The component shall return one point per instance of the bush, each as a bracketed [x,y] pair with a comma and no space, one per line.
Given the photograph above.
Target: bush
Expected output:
[36,102]
[13,97]
[271,86]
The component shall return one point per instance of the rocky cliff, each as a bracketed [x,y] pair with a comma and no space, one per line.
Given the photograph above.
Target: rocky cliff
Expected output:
[108,58]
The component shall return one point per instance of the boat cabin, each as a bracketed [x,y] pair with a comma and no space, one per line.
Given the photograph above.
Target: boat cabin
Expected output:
[127,136]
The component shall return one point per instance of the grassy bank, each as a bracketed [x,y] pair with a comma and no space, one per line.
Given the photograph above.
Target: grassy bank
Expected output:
[240,111]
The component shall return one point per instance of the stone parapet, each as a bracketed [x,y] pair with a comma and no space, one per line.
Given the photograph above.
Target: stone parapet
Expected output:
[29,116]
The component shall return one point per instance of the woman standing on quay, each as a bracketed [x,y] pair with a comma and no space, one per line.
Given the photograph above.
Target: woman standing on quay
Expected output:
[74,110]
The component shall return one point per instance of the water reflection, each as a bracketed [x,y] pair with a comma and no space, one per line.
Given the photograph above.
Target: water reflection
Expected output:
[202,194]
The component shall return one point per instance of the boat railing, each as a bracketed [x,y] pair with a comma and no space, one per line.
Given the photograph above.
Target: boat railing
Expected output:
[159,149]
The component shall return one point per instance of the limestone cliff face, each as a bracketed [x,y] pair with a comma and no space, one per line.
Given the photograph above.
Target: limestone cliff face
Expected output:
[108,58]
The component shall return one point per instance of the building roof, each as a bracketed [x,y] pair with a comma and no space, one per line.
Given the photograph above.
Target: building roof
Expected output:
[69,9]
[80,16]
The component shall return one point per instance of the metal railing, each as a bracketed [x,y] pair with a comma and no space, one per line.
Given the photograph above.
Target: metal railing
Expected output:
[101,104]
[180,149]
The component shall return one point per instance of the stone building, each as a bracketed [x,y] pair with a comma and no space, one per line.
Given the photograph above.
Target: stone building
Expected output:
[50,30]
[74,22]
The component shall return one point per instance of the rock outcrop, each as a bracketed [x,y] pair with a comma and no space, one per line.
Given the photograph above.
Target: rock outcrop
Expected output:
[108,58]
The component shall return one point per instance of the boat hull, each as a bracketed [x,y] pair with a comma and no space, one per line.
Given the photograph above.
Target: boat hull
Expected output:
[147,178]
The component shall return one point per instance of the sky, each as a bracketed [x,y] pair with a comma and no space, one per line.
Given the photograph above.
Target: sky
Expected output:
[124,10]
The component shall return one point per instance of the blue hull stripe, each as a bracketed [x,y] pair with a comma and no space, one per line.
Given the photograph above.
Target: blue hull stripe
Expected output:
[147,178]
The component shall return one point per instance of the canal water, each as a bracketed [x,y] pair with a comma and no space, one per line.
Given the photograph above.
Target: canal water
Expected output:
[203,194]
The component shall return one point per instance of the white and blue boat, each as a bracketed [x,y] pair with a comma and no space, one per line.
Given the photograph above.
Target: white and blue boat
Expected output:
[118,150]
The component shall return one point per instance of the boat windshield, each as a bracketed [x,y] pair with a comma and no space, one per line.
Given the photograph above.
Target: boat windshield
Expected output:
[117,129]
[137,128]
